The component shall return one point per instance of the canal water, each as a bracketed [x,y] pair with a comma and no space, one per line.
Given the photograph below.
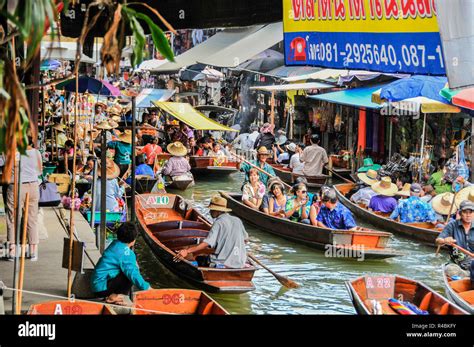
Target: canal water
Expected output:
[322,289]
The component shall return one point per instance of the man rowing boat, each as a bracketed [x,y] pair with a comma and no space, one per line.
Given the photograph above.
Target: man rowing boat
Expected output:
[262,155]
[227,236]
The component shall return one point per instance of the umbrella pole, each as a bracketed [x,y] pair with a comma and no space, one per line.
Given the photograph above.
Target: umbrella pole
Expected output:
[422,147]
[73,188]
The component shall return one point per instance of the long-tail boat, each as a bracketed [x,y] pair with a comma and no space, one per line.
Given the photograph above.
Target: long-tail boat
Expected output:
[68,307]
[460,291]
[287,176]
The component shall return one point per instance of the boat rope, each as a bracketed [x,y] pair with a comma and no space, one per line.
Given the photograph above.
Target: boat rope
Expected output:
[72,299]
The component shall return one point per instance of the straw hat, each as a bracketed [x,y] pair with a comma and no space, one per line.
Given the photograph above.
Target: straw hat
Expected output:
[177,149]
[442,203]
[115,109]
[112,170]
[126,136]
[263,151]
[274,180]
[385,187]
[369,177]
[113,124]
[405,191]
[116,118]
[465,194]
[104,125]
[59,127]
[100,103]
[291,147]
[218,203]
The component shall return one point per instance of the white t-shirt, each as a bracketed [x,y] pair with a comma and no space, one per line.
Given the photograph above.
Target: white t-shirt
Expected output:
[296,165]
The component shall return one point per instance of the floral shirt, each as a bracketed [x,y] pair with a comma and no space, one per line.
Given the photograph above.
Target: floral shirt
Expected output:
[413,210]
[249,193]
[340,218]
[290,204]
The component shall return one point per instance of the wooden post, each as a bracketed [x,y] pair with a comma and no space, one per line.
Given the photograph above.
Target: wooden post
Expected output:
[16,226]
[103,184]
[23,249]
[272,108]
[73,188]
[132,206]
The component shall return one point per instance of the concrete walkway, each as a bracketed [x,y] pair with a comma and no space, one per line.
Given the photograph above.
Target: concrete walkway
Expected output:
[47,275]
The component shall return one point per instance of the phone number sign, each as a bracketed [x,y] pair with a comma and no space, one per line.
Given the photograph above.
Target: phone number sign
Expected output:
[380,35]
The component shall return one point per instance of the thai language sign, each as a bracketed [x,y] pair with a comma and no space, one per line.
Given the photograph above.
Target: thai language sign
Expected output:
[380,35]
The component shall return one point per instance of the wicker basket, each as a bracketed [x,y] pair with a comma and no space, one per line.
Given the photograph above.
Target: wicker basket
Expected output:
[62,181]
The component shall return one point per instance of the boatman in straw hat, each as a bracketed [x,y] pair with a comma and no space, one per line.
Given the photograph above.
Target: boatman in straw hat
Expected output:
[177,165]
[443,206]
[384,201]
[365,192]
[123,150]
[261,162]
[460,232]
[112,188]
[227,237]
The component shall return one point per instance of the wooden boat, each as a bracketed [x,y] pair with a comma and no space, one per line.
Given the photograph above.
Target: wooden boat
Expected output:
[169,224]
[461,291]
[341,243]
[67,307]
[422,232]
[145,184]
[364,289]
[206,166]
[289,177]
[175,301]
[181,184]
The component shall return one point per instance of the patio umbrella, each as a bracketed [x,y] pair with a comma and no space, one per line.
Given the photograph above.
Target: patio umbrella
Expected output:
[262,64]
[208,74]
[463,98]
[109,89]
[146,96]
[417,94]
[190,72]
[50,65]
[87,84]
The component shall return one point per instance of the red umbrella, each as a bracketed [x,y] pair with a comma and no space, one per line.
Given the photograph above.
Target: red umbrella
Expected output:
[465,98]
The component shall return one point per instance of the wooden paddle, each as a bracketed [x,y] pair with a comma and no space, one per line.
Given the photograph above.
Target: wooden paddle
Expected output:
[257,168]
[282,279]
[338,175]
[463,250]
[447,219]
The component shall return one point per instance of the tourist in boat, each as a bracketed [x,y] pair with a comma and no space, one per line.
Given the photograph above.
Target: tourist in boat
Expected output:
[253,191]
[364,191]
[297,207]
[265,138]
[277,200]
[460,232]
[314,209]
[123,150]
[369,165]
[261,162]
[437,180]
[117,270]
[314,158]
[413,209]
[87,171]
[227,237]
[151,150]
[113,192]
[177,165]
[443,206]
[384,201]
[334,215]
[141,170]
[296,165]
[280,140]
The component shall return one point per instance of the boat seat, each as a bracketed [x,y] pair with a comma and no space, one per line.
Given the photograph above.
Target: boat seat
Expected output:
[184,224]
[462,285]
[468,296]
[382,214]
[166,235]
[182,241]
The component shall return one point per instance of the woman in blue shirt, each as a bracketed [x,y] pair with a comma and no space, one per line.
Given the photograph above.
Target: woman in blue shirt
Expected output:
[117,269]
[142,169]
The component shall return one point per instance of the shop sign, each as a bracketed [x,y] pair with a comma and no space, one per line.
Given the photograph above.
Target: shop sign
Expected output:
[379,35]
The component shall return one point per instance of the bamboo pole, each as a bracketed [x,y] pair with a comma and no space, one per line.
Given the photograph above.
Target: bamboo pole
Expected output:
[16,198]
[272,108]
[73,188]
[22,259]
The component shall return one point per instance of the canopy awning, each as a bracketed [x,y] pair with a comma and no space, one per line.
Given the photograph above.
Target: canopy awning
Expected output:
[146,96]
[324,74]
[185,113]
[357,97]
[463,98]
[247,47]
[215,43]
[293,86]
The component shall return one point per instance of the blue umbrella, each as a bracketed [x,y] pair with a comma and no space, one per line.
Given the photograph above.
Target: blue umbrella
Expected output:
[415,86]
[50,65]
[86,84]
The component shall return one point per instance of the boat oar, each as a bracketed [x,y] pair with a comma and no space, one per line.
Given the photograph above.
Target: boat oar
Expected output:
[463,250]
[338,175]
[257,168]
[282,279]
[447,219]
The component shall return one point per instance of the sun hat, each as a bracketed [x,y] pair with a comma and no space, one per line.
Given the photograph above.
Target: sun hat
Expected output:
[113,124]
[291,147]
[112,170]
[405,191]
[100,103]
[177,149]
[369,165]
[466,205]
[104,125]
[126,136]
[218,203]
[59,127]
[369,177]
[116,118]
[415,188]
[385,187]
[442,203]
[262,150]
[465,194]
